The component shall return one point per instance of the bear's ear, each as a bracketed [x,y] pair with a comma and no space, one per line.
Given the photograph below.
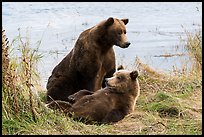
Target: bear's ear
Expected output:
[125,21]
[109,21]
[134,75]
[120,67]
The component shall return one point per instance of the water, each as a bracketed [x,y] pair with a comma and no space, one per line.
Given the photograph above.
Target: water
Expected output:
[153,29]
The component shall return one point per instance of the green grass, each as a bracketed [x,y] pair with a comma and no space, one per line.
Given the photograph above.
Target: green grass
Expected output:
[167,104]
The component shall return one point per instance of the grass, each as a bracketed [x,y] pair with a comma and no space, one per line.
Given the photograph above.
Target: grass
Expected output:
[168,104]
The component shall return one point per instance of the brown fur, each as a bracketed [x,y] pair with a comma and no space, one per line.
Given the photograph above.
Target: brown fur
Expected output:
[110,104]
[90,61]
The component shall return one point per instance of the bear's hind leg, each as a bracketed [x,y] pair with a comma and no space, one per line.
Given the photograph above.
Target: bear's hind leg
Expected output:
[58,104]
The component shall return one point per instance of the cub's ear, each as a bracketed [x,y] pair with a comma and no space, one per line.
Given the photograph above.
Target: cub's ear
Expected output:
[125,21]
[134,75]
[109,21]
[120,67]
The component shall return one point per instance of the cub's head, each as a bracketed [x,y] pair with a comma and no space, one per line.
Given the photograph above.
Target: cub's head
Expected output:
[123,81]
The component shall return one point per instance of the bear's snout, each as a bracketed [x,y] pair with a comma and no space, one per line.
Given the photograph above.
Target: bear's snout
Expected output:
[127,44]
[106,82]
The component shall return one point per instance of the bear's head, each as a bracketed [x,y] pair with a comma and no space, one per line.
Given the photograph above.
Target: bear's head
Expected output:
[112,31]
[124,81]
[116,32]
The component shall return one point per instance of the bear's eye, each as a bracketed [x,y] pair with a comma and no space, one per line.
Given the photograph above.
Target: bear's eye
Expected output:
[124,31]
[119,78]
[120,32]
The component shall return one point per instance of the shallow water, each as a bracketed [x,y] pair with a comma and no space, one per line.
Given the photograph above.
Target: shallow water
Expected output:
[154,28]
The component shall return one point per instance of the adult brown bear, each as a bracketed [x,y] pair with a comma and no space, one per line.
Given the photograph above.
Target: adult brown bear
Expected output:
[90,61]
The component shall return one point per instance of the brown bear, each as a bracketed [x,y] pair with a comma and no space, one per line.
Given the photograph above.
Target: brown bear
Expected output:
[90,61]
[106,105]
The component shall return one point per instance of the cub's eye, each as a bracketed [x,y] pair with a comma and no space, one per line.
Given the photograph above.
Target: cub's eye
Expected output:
[120,32]
[125,32]
[119,78]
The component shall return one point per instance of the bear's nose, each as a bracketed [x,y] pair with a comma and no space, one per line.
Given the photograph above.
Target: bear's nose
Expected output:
[127,44]
[106,80]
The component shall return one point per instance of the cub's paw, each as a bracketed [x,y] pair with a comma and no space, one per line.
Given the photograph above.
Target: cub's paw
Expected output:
[71,99]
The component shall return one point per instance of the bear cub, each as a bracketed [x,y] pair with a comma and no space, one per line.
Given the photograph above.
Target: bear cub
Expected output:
[107,105]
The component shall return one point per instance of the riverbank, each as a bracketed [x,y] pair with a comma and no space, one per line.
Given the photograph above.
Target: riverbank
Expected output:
[168,104]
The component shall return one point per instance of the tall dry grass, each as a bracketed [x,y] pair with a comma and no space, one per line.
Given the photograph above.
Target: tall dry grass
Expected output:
[194,48]
[19,74]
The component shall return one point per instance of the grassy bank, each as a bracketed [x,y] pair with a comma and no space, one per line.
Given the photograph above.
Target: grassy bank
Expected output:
[168,104]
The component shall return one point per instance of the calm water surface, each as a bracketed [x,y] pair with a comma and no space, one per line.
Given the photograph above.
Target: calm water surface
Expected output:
[153,29]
